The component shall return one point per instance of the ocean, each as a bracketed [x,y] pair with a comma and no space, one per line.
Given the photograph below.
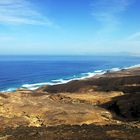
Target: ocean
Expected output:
[31,72]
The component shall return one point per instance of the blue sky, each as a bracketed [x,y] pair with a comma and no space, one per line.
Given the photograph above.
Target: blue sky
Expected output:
[69,27]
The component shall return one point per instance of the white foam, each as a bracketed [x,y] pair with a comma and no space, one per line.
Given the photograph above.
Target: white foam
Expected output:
[87,75]
[63,81]
[134,66]
[59,81]
[115,69]
[9,90]
[35,86]
[98,71]
[91,74]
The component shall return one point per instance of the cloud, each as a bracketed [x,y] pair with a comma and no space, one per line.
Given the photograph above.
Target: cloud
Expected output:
[21,12]
[134,37]
[107,13]
[106,10]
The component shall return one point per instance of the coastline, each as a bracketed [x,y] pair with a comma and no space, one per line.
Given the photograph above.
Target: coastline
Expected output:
[104,82]
[108,103]
[82,76]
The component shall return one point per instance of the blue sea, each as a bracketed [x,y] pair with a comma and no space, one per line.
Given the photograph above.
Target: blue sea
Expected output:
[31,72]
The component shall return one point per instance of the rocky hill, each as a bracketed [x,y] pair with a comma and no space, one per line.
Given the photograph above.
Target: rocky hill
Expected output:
[102,107]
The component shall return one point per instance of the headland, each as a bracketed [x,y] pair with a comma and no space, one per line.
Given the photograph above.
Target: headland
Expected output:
[101,107]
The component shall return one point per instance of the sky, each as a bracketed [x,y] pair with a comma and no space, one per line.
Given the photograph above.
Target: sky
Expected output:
[69,27]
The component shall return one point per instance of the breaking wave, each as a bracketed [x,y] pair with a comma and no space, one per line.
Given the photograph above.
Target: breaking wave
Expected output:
[63,81]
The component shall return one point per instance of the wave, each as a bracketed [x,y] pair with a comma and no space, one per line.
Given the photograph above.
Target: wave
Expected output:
[63,81]
[115,69]
[60,81]
[9,90]
[98,71]
[134,66]
[35,86]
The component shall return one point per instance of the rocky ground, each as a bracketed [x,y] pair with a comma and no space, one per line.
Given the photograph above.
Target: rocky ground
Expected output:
[100,108]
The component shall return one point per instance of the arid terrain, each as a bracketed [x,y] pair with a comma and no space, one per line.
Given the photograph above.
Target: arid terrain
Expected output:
[103,107]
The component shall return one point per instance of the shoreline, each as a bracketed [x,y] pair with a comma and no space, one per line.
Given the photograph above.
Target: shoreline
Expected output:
[108,103]
[36,86]
[113,80]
